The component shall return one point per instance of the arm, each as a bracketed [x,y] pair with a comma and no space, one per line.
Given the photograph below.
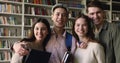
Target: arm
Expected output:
[17,48]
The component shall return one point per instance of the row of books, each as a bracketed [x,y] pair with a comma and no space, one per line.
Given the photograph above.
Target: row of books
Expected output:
[72,4]
[74,13]
[5,44]
[48,2]
[27,32]
[10,31]
[12,0]
[116,16]
[11,20]
[37,10]
[5,55]
[69,23]
[46,11]
[30,21]
[10,8]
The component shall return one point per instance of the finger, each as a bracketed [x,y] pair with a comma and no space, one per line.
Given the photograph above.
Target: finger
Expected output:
[78,45]
[25,52]
[20,53]
[84,45]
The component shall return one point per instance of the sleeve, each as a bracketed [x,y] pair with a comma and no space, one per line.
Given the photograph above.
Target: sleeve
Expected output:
[99,53]
[116,43]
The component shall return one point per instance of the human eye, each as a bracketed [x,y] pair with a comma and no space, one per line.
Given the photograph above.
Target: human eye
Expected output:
[44,28]
[91,13]
[36,28]
[77,25]
[64,15]
[57,14]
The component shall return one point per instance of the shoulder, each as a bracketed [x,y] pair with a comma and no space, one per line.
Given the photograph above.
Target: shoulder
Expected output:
[112,25]
[70,35]
[96,45]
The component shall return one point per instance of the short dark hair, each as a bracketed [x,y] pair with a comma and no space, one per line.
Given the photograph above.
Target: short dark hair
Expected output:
[95,4]
[60,6]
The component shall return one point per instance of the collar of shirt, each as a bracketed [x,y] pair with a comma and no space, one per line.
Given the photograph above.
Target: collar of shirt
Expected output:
[54,33]
[104,26]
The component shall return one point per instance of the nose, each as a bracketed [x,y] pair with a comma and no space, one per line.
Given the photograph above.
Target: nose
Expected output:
[80,27]
[40,31]
[95,15]
[60,16]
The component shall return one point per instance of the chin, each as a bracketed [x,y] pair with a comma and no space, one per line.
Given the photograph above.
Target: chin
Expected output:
[39,39]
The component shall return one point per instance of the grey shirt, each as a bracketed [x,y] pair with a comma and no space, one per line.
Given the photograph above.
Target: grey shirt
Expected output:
[108,36]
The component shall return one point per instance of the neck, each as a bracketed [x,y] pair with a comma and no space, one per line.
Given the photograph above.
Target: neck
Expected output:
[59,31]
[39,42]
[84,39]
[98,26]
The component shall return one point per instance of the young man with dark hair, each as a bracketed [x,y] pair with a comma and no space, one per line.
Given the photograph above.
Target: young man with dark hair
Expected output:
[57,45]
[107,33]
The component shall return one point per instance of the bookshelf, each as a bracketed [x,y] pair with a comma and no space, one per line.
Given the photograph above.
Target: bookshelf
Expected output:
[10,27]
[17,16]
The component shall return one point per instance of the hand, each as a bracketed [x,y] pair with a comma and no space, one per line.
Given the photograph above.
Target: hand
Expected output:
[19,49]
[82,45]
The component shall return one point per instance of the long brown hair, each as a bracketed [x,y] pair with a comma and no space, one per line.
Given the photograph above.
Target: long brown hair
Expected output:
[89,24]
[32,38]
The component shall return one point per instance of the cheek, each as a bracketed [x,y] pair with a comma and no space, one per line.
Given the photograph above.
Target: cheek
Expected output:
[102,16]
[54,17]
[76,29]
[34,32]
[45,33]
[86,29]
[89,15]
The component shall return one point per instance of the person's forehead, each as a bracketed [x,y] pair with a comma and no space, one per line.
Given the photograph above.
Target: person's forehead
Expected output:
[60,10]
[59,6]
[94,9]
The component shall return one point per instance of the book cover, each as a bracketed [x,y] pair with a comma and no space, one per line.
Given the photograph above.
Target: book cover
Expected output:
[36,56]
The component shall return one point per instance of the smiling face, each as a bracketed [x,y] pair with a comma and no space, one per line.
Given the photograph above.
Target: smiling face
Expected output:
[59,17]
[81,27]
[96,14]
[40,31]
